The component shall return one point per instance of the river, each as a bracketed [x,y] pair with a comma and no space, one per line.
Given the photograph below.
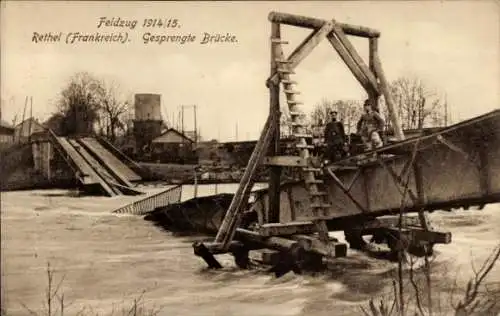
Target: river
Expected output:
[107,260]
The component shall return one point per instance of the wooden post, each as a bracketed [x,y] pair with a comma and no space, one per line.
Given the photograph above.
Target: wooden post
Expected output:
[373,48]
[384,86]
[419,184]
[232,217]
[274,113]
[195,183]
[49,149]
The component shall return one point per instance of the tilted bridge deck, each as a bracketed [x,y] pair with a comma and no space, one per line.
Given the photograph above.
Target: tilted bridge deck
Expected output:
[458,166]
[94,165]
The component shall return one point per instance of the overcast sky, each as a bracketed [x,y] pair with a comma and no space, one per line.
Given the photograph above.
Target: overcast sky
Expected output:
[453,46]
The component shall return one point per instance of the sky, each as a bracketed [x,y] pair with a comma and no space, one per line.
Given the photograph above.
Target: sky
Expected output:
[453,46]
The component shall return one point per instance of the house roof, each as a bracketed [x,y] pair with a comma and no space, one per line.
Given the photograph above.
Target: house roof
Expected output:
[28,127]
[6,125]
[172,136]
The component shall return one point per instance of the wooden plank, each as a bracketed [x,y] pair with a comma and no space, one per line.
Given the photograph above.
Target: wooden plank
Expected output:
[286,161]
[104,177]
[276,243]
[342,167]
[422,235]
[105,157]
[313,23]
[265,256]
[286,229]
[124,172]
[133,165]
[87,173]
[329,249]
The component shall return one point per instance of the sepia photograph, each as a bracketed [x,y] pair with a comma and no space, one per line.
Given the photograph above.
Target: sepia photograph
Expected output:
[250,158]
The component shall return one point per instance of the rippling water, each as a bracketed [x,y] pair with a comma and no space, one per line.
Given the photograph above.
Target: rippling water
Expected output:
[108,260]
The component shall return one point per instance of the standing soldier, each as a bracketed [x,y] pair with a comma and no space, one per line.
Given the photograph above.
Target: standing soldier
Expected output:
[369,127]
[335,138]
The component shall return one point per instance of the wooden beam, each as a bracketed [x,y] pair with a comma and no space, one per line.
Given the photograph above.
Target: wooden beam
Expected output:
[276,243]
[274,113]
[389,102]
[286,229]
[422,235]
[351,64]
[339,183]
[313,23]
[286,161]
[372,52]
[306,47]
[398,181]
[265,256]
[202,251]
[357,59]
[419,184]
[329,249]
[233,216]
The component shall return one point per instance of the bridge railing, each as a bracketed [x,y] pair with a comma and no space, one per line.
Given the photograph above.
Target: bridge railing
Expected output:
[150,203]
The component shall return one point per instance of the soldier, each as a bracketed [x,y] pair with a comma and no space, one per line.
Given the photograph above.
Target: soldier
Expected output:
[335,138]
[369,127]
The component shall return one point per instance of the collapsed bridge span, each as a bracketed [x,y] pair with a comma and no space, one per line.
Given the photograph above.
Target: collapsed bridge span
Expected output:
[96,166]
[454,167]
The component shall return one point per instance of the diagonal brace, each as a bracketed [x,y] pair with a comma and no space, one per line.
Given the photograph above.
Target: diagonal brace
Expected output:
[337,30]
[305,48]
[339,183]
[233,216]
[397,179]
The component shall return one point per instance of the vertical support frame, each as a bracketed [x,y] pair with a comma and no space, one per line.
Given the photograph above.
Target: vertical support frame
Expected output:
[274,114]
[373,49]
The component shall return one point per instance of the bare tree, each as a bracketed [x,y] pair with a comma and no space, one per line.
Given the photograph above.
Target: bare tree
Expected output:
[79,104]
[417,104]
[89,103]
[113,110]
[349,112]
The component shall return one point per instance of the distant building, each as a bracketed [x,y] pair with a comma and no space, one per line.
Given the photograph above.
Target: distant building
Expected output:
[148,123]
[6,133]
[29,129]
[172,146]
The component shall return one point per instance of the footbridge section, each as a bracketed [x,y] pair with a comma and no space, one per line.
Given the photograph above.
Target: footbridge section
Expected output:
[96,167]
[458,166]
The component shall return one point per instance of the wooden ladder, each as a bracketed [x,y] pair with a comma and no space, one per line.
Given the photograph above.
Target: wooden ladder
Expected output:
[315,186]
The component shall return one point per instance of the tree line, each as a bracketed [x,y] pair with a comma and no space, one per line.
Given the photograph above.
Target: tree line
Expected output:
[417,104]
[89,105]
